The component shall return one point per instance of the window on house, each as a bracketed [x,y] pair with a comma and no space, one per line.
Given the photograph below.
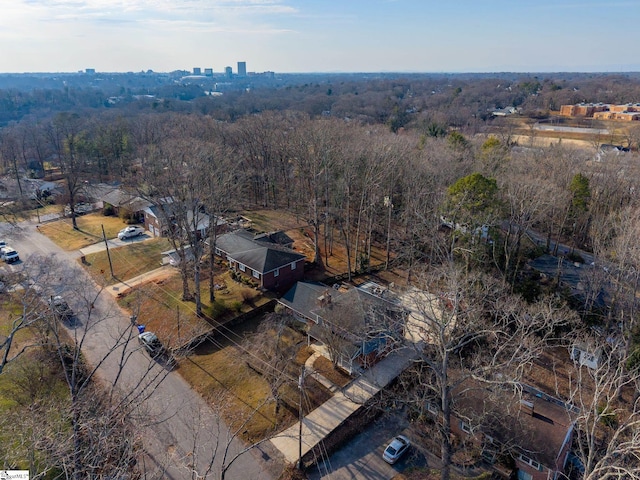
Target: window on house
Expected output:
[465,427]
[530,461]
[276,272]
[293,266]
[242,267]
[256,274]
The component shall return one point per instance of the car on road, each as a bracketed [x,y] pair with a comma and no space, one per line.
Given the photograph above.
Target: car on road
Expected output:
[9,255]
[130,232]
[396,448]
[60,308]
[151,344]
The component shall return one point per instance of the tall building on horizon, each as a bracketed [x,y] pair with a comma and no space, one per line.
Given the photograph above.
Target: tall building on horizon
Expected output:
[197,71]
[242,69]
[208,72]
[228,72]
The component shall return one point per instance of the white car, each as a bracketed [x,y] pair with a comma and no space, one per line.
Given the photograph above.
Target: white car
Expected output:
[130,232]
[9,255]
[398,446]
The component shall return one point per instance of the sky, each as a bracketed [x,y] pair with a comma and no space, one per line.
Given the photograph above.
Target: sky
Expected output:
[296,36]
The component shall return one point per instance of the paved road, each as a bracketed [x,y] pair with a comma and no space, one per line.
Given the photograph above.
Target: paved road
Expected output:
[184,434]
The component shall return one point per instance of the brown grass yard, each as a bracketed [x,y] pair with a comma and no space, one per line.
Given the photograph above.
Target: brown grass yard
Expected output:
[62,233]
[327,369]
[10,310]
[224,379]
[128,261]
[302,234]
[158,305]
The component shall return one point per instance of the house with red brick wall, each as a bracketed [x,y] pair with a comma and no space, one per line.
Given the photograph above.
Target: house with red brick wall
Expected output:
[265,261]
[531,427]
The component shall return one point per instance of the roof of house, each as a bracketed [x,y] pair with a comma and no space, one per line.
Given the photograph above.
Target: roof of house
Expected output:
[120,198]
[353,310]
[530,421]
[279,238]
[255,254]
[304,298]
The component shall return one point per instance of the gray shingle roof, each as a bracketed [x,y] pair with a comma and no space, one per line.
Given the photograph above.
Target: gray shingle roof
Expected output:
[262,258]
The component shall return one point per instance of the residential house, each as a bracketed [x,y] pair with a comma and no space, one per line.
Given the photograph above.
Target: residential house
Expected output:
[532,428]
[586,355]
[160,220]
[359,325]
[262,258]
[124,204]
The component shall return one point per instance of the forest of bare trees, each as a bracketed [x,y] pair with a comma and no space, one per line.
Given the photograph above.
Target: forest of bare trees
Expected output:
[417,169]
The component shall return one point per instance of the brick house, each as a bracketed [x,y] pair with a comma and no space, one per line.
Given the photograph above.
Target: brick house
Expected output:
[271,265]
[533,428]
[125,204]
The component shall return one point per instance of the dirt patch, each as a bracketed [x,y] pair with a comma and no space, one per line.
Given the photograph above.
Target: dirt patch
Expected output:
[335,375]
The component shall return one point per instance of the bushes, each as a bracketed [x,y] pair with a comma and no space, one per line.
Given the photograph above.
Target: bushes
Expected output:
[218,309]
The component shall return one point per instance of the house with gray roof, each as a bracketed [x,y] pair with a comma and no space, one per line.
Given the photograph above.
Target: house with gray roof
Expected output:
[359,325]
[271,265]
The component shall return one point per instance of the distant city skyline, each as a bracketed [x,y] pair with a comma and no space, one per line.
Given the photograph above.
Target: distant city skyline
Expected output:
[295,36]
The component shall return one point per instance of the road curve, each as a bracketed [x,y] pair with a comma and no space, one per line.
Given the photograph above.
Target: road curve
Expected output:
[181,433]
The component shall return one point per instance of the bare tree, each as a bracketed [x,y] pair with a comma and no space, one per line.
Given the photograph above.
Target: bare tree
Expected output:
[605,391]
[471,328]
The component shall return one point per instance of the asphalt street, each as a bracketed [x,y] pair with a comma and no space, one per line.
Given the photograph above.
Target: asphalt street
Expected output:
[183,437]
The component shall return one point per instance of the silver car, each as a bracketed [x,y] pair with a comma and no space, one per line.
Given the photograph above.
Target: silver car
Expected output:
[130,232]
[398,446]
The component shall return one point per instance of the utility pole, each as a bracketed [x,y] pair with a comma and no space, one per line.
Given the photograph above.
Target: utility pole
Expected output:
[301,417]
[106,244]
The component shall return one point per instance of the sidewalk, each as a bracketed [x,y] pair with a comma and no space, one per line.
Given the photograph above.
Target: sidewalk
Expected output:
[330,415]
[121,288]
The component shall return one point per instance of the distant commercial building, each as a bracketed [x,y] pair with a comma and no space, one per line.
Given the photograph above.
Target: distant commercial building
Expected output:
[603,111]
[197,71]
[242,69]
[90,70]
[228,72]
[208,72]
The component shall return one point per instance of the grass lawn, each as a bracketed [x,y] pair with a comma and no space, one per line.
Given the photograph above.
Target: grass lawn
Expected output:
[90,230]
[224,379]
[128,261]
[159,306]
[10,310]
[33,214]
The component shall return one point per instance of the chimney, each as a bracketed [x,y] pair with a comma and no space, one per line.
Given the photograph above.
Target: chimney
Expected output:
[324,299]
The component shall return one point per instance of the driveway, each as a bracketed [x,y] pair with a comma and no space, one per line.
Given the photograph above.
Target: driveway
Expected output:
[114,243]
[182,433]
[361,457]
